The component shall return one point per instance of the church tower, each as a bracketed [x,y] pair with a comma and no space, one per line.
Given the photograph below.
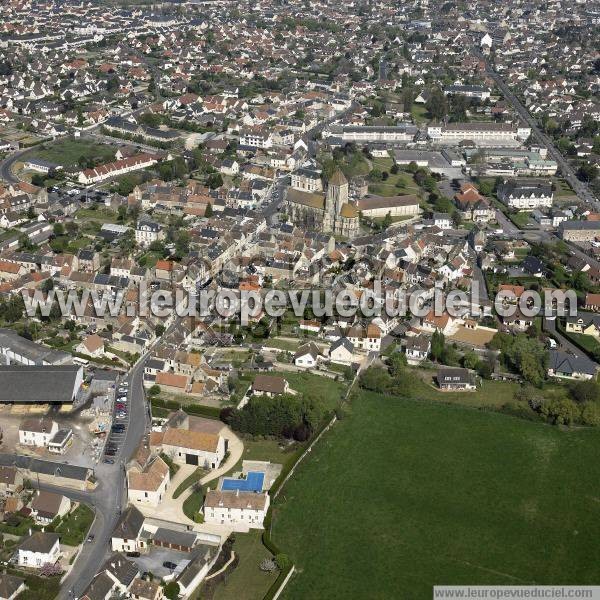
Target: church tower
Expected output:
[337,195]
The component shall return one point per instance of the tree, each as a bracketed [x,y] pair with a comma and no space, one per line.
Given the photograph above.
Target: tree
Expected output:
[159,330]
[283,561]
[154,390]
[58,229]
[438,344]
[561,411]
[182,243]
[387,221]
[436,104]
[470,360]
[214,181]
[171,590]
[587,172]
[209,211]
[397,363]
[585,391]
[590,414]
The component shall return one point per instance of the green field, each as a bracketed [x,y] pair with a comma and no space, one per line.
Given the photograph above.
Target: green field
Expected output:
[402,495]
[67,152]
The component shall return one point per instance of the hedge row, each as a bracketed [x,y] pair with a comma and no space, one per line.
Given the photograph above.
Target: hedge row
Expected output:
[211,412]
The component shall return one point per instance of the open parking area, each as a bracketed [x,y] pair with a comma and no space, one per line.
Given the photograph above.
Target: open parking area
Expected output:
[120,422]
[154,562]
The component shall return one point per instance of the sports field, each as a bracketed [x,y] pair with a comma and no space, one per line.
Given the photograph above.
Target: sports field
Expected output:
[401,495]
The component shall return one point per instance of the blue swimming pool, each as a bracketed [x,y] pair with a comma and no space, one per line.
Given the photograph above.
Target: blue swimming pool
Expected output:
[252,483]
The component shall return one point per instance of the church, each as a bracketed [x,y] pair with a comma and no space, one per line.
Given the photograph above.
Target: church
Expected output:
[327,212]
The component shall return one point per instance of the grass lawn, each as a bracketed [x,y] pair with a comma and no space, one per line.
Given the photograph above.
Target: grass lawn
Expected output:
[326,389]
[265,449]
[101,215]
[520,219]
[586,342]
[419,113]
[189,481]
[247,580]
[68,151]
[403,494]
[491,394]
[73,529]
[282,344]
[192,504]
[389,187]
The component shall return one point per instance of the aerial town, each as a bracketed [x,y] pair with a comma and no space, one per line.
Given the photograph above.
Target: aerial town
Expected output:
[169,170]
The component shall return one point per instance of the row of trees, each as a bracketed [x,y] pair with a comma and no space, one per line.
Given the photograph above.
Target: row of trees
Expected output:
[290,416]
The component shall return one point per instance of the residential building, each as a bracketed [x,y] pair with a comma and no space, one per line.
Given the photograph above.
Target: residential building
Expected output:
[307,356]
[570,366]
[148,486]
[194,447]
[238,510]
[37,432]
[47,506]
[524,195]
[455,379]
[269,385]
[39,549]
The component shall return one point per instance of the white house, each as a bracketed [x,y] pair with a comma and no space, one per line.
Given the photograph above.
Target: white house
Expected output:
[39,549]
[47,506]
[341,352]
[91,345]
[37,432]
[367,339]
[149,485]
[147,231]
[239,510]
[442,220]
[230,167]
[194,447]
[126,536]
[525,195]
[417,349]
[307,356]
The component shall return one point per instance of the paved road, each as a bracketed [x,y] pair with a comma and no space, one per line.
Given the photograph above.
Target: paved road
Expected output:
[580,188]
[7,164]
[109,498]
[507,225]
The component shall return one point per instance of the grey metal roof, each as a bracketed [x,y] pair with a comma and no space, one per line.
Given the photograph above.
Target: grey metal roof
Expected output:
[47,384]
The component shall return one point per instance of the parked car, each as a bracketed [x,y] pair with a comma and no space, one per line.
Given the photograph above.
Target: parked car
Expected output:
[169,565]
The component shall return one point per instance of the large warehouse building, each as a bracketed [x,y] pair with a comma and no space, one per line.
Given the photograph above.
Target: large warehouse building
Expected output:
[35,384]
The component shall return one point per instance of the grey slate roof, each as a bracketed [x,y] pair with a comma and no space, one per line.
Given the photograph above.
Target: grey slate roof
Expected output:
[44,467]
